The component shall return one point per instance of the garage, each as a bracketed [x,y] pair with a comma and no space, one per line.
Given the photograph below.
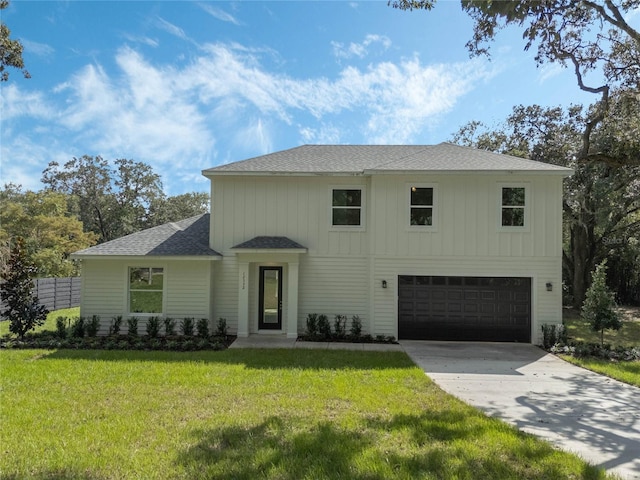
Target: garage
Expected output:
[490,309]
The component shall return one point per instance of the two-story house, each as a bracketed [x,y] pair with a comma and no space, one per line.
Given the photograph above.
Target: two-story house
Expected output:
[420,241]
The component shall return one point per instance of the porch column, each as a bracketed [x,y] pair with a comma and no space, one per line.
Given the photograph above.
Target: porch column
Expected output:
[292,301]
[243,299]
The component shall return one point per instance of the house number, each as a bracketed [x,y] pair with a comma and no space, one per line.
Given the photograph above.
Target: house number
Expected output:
[244,279]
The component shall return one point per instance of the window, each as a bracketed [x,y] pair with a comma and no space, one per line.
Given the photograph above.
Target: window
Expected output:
[146,286]
[346,207]
[421,209]
[513,203]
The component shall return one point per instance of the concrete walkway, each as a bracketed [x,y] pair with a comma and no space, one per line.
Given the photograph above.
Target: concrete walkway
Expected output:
[577,410]
[280,341]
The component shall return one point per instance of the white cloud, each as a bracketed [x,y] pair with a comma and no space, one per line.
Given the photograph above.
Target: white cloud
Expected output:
[174,117]
[151,42]
[325,134]
[219,13]
[550,70]
[397,99]
[141,114]
[360,49]
[254,137]
[40,49]
[14,103]
[170,28]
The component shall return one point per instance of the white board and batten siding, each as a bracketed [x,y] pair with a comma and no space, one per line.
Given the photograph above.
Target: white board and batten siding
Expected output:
[343,269]
[295,207]
[186,293]
[334,286]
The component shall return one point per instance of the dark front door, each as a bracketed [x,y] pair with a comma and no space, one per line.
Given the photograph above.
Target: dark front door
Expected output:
[270,315]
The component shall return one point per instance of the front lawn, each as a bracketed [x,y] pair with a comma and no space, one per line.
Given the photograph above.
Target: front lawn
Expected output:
[627,372]
[50,322]
[579,330]
[247,414]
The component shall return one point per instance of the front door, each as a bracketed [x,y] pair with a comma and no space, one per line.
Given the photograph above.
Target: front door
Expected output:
[270,308]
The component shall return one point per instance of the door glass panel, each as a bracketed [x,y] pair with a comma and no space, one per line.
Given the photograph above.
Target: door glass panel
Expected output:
[270,301]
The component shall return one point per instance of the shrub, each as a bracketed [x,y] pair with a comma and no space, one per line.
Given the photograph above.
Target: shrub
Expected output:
[340,325]
[324,328]
[553,334]
[356,326]
[61,327]
[169,326]
[116,323]
[312,324]
[93,326]
[221,328]
[599,308]
[186,326]
[22,307]
[153,327]
[77,328]
[132,326]
[202,327]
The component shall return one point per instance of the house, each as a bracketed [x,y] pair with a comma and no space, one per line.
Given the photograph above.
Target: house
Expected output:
[420,241]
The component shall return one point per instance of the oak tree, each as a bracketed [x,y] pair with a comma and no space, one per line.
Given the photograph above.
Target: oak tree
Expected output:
[589,36]
[10,50]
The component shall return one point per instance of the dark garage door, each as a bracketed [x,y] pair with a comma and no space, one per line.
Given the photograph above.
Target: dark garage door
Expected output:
[491,309]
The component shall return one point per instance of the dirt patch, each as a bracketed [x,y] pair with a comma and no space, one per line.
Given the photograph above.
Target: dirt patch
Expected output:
[630,314]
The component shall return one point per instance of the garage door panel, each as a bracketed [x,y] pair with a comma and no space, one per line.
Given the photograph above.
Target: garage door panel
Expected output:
[465,308]
[453,295]
[471,308]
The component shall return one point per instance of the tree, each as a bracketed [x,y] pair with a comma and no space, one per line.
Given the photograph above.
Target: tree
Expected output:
[51,233]
[113,202]
[601,203]
[599,308]
[109,202]
[22,307]
[179,207]
[10,50]
[590,35]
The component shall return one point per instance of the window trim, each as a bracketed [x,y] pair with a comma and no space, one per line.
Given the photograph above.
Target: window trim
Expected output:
[363,203]
[526,208]
[128,290]
[435,207]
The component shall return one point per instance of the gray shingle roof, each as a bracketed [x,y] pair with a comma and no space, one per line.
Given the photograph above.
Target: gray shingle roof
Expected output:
[363,159]
[186,237]
[269,243]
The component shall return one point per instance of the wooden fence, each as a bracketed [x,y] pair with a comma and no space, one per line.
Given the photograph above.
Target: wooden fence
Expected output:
[56,293]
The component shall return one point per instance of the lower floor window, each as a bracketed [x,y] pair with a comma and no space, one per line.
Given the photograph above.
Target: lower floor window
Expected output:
[146,287]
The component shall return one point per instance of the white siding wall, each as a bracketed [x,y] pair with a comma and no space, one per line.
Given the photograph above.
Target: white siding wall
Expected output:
[104,289]
[468,218]
[334,285]
[343,270]
[294,207]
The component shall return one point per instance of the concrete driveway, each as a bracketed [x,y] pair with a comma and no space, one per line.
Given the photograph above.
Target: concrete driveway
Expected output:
[577,410]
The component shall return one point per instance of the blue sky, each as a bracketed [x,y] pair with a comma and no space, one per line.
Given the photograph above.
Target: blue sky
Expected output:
[185,86]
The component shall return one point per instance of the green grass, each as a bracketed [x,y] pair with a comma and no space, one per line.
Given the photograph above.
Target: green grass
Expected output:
[50,323]
[579,331]
[627,372]
[628,336]
[247,414]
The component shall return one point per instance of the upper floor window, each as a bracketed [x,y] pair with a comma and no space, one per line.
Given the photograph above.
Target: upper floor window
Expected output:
[513,206]
[421,206]
[422,199]
[146,287]
[346,207]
